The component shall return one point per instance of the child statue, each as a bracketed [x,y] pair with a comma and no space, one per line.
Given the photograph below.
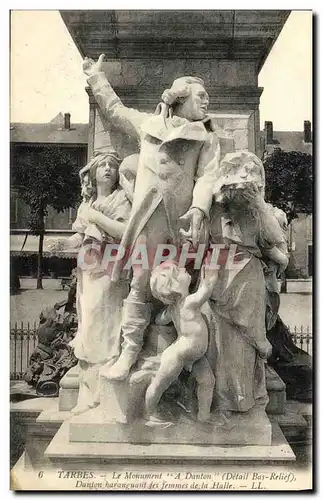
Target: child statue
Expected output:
[170,284]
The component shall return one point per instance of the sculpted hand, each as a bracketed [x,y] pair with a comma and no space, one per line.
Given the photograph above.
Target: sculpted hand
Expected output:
[98,206]
[283,265]
[163,318]
[254,197]
[186,236]
[54,245]
[195,217]
[90,67]
[91,215]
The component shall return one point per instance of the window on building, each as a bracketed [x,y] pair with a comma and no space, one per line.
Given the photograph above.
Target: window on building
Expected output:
[310,260]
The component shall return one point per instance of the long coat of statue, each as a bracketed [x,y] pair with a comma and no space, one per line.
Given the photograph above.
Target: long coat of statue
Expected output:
[173,163]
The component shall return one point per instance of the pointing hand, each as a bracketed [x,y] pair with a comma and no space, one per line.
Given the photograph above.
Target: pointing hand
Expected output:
[90,67]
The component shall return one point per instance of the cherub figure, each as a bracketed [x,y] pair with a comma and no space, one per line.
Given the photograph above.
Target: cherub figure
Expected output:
[170,284]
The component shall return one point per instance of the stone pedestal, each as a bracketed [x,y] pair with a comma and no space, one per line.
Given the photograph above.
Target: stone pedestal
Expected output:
[31,435]
[276,390]
[68,392]
[100,456]
[47,443]
[97,426]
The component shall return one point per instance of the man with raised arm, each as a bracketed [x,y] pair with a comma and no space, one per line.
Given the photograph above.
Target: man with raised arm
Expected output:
[174,183]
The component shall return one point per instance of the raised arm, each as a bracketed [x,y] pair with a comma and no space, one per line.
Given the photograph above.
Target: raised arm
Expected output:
[127,119]
[208,280]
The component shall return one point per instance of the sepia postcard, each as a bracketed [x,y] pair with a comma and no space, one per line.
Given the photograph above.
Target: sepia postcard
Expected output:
[161,250]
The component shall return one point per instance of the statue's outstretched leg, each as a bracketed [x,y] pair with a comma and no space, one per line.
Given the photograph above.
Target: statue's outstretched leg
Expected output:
[205,387]
[137,307]
[170,369]
[136,319]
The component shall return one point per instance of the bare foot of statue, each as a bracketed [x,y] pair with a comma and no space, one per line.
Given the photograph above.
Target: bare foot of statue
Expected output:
[157,420]
[81,408]
[121,369]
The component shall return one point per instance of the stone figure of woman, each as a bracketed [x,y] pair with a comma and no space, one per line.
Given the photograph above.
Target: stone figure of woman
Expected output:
[107,191]
[239,347]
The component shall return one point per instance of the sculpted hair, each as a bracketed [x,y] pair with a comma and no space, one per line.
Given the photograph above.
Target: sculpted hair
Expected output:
[180,89]
[234,162]
[162,282]
[88,173]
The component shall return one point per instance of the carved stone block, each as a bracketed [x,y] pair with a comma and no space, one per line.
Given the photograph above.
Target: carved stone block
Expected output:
[242,429]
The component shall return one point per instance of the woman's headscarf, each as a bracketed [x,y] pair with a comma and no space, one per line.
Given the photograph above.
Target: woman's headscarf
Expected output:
[111,157]
[240,167]
[98,156]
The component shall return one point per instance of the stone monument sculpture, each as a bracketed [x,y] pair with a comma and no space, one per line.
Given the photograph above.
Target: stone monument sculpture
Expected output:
[174,182]
[170,285]
[191,354]
[241,217]
[101,219]
[290,362]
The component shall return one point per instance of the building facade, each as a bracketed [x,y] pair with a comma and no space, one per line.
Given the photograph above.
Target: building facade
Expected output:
[32,137]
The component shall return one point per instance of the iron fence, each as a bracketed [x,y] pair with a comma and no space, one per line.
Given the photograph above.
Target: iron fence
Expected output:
[302,338]
[24,339]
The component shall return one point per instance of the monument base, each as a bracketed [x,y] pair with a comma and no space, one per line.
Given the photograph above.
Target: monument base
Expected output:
[69,386]
[93,426]
[48,448]
[66,454]
[276,391]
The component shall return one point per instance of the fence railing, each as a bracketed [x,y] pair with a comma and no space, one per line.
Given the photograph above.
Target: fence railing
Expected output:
[24,339]
[302,338]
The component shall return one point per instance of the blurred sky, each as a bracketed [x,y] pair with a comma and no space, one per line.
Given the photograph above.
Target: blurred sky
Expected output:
[46,74]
